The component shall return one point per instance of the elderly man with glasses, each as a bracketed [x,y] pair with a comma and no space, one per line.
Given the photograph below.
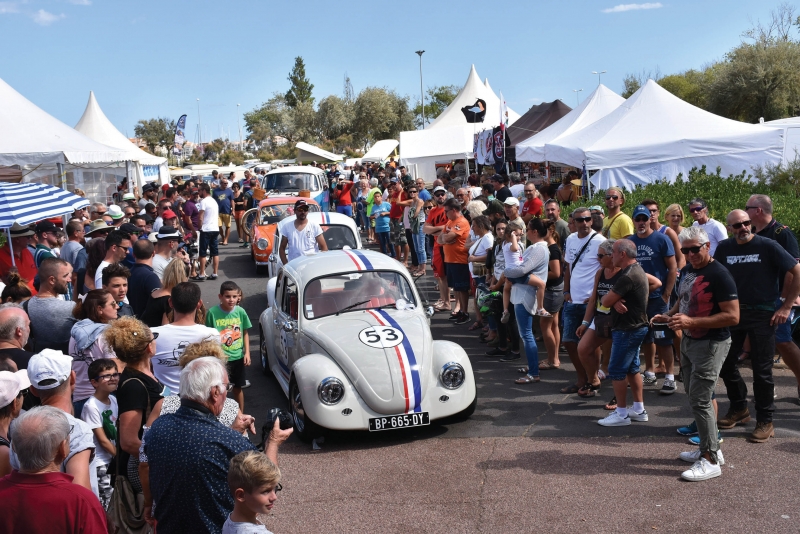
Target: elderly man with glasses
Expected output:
[757,264]
[715,229]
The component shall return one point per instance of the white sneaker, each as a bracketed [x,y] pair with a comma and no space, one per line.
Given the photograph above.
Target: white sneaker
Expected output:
[614,419]
[639,417]
[702,469]
[693,456]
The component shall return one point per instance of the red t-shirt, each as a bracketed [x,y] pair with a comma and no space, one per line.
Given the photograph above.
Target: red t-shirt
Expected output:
[437,216]
[532,207]
[49,503]
[344,195]
[26,265]
[397,209]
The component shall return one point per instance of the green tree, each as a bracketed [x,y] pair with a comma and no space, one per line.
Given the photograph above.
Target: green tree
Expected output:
[334,116]
[156,132]
[693,86]
[380,113]
[634,81]
[439,97]
[213,150]
[300,91]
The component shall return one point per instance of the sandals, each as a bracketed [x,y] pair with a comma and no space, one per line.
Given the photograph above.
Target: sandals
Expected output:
[612,404]
[440,307]
[744,355]
[523,370]
[573,388]
[588,390]
[543,313]
[546,366]
[477,325]
[527,379]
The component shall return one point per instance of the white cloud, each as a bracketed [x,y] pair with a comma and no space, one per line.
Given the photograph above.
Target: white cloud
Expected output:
[632,7]
[45,18]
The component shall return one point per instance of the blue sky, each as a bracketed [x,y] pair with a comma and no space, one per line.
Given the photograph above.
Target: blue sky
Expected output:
[146,58]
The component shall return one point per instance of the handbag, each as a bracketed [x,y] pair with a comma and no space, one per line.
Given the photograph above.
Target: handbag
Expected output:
[478,268]
[602,325]
[125,514]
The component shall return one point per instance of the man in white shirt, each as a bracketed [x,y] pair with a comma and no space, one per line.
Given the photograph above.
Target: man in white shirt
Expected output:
[580,256]
[117,245]
[716,230]
[173,338]
[301,236]
[208,215]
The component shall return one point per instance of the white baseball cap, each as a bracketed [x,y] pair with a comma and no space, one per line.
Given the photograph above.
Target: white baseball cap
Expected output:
[511,201]
[439,188]
[11,384]
[49,369]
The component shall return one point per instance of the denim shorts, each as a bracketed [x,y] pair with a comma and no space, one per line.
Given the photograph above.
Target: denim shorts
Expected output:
[553,300]
[657,306]
[208,241]
[572,316]
[783,333]
[520,279]
[625,347]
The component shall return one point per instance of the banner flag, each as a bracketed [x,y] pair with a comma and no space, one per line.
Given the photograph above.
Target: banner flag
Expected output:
[179,135]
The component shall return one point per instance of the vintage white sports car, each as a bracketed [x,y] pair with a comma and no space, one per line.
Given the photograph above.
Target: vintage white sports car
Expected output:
[348,339]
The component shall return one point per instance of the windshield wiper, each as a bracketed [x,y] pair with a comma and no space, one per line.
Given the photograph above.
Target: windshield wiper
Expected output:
[353,306]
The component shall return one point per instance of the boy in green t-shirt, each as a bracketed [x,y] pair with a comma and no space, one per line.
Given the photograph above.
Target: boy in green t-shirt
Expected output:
[232,322]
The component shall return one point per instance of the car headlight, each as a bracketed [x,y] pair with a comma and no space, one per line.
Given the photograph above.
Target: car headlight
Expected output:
[452,375]
[262,243]
[330,391]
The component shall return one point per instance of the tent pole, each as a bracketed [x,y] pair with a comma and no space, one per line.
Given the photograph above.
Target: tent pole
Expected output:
[62,175]
[11,247]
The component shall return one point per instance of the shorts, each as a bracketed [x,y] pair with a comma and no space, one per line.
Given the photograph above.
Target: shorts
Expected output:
[458,276]
[554,299]
[572,316]
[437,263]
[783,333]
[236,372]
[224,220]
[208,241]
[397,233]
[656,306]
[624,359]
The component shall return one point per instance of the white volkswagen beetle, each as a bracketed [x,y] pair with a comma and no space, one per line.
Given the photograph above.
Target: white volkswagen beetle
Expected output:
[350,344]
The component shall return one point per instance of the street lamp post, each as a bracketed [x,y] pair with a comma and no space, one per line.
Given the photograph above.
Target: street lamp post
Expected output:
[598,75]
[577,97]
[421,93]
[239,126]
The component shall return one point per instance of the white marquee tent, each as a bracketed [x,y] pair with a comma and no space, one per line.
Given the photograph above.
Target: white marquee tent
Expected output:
[39,143]
[307,153]
[597,105]
[791,137]
[655,135]
[145,167]
[449,136]
[380,151]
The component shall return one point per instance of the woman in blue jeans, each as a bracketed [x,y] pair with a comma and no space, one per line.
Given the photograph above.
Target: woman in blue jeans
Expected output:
[535,261]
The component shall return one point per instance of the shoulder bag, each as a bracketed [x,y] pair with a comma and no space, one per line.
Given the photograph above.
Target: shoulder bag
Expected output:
[478,268]
[580,253]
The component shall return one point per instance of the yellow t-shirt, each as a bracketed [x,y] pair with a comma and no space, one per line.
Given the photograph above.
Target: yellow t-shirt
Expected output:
[618,227]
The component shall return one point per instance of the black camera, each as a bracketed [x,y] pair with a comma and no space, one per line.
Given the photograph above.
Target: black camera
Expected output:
[286,423]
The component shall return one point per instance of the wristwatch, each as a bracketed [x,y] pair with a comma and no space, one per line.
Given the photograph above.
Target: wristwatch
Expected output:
[566,292]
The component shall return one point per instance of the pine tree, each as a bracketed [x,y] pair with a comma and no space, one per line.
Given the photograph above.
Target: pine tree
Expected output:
[300,92]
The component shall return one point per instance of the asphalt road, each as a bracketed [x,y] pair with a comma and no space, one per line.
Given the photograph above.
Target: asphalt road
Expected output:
[530,458]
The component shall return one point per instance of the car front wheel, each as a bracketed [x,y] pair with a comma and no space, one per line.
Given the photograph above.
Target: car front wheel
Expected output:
[304,427]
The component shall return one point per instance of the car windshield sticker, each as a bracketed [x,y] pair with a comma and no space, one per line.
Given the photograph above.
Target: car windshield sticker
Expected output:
[384,337]
[408,362]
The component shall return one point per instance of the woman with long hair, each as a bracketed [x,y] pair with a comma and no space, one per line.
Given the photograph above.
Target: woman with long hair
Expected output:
[477,250]
[157,308]
[553,298]
[86,343]
[239,202]
[96,253]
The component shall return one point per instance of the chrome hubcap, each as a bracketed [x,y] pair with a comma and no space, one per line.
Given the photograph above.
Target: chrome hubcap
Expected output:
[297,410]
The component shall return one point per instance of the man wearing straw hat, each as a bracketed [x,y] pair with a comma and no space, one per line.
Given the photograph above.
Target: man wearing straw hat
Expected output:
[22,257]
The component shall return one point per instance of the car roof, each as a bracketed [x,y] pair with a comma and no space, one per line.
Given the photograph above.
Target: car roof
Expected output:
[327,217]
[340,261]
[283,199]
[296,168]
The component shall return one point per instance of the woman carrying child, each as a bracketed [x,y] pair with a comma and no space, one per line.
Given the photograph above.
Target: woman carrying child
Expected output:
[512,252]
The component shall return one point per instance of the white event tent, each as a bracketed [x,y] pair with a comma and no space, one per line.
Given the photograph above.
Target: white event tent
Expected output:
[48,151]
[307,153]
[597,105]
[655,135]
[450,136]
[380,151]
[145,167]
[791,137]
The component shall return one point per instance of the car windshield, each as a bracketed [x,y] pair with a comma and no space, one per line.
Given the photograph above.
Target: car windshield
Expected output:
[358,291]
[292,181]
[277,212]
[338,236]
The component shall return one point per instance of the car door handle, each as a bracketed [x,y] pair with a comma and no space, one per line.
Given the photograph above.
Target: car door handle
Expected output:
[276,322]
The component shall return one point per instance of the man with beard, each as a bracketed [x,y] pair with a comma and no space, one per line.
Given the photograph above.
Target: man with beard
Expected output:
[301,236]
[51,316]
[434,225]
[553,212]
[757,264]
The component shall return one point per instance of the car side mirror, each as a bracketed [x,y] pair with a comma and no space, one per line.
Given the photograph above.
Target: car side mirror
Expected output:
[288,326]
[429,312]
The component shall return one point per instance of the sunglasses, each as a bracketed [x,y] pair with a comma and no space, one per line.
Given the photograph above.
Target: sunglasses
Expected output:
[612,197]
[413,191]
[22,393]
[642,218]
[693,250]
[601,256]
[696,210]
[750,208]
[582,219]
[738,225]
[440,194]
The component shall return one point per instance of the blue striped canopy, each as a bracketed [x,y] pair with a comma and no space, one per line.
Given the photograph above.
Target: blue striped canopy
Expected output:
[30,202]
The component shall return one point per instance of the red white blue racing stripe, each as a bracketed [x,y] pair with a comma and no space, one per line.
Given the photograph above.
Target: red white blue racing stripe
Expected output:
[326,219]
[359,259]
[412,386]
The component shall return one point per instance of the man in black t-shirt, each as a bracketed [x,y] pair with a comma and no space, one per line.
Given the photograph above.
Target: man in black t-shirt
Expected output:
[707,305]
[759,207]
[757,264]
[628,303]
[501,190]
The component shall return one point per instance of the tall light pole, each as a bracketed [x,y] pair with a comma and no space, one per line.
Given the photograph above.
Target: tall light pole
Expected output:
[199,125]
[421,93]
[577,97]
[598,75]
[241,149]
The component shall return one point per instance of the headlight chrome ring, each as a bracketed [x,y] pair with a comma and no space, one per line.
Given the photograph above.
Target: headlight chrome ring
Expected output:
[262,243]
[452,375]
[330,391]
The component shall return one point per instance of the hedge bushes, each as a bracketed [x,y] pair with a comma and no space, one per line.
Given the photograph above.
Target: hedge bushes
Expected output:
[722,194]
